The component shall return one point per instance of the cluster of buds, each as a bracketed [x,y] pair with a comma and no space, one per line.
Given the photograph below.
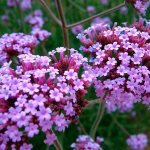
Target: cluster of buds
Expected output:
[23,4]
[139,5]
[85,142]
[40,94]
[119,57]
[15,44]
[137,142]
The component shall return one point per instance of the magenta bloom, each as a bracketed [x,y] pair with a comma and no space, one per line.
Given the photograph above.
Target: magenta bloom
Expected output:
[15,44]
[39,95]
[137,142]
[120,58]
[85,142]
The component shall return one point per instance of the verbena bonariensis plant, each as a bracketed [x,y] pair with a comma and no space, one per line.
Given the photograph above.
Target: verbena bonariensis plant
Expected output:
[12,45]
[45,94]
[120,58]
[40,94]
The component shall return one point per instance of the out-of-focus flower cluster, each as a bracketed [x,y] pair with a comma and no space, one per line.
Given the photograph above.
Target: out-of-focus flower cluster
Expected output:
[120,59]
[140,5]
[24,4]
[39,94]
[15,44]
[85,142]
[36,21]
[137,142]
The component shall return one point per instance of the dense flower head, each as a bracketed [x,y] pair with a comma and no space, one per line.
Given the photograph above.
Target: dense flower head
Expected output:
[40,34]
[35,19]
[140,6]
[85,142]
[137,142]
[15,44]
[40,94]
[120,58]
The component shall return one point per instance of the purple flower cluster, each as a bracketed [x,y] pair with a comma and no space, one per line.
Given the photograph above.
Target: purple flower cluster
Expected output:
[137,142]
[24,4]
[40,94]
[120,60]
[40,34]
[140,5]
[15,44]
[85,142]
[36,21]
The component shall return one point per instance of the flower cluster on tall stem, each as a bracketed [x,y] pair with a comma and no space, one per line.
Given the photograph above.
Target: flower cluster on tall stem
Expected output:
[41,93]
[119,57]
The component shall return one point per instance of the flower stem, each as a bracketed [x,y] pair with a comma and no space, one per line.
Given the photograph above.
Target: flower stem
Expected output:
[99,116]
[97,15]
[58,145]
[63,21]
[120,126]
[82,127]
[52,15]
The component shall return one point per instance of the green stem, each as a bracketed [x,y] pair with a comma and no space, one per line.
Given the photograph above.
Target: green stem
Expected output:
[58,145]
[76,5]
[44,49]
[99,116]
[52,15]
[63,21]
[120,126]
[97,15]
[82,127]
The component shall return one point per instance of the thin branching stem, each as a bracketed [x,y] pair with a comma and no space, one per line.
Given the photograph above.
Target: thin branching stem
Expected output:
[98,15]
[63,21]
[52,15]
[120,126]
[99,116]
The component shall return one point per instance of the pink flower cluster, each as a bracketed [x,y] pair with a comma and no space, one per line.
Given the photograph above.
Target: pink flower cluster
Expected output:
[120,59]
[40,94]
[140,6]
[85,142]
[24,4]
[137,142]
[15,44]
